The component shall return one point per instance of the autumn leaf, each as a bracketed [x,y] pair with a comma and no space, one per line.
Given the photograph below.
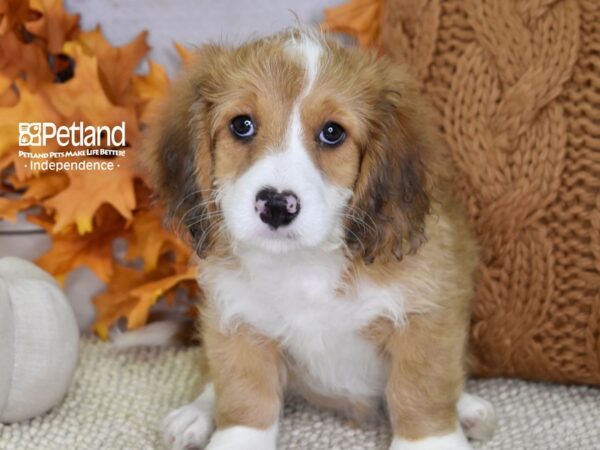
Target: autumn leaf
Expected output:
[149,89]
[116,65]
[54,25]
[149,240]
[131,294]
[88,190]
[152,85]
[5,83]
[37,188]
[358,18]
[32,34]
[8,92]
[94,250]
[83,97]
[10,208]
[12,14]
[42,186]
[31,108]
[185,54]
[149,293]
[50,72]
[7,161]
[116,301]
[13,162]
[25,60]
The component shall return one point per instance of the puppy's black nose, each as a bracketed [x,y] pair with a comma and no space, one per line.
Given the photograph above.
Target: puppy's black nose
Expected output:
[276,208]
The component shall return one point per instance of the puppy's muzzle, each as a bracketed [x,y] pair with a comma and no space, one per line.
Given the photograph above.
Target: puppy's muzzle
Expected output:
[276,208]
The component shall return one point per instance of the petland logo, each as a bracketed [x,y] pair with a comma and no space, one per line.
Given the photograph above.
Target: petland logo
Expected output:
[35,134]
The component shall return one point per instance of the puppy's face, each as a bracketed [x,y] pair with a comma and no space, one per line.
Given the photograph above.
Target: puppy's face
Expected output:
[293,142]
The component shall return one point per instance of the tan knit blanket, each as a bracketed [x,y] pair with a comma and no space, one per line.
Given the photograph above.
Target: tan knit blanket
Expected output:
[516,85]
[117,400]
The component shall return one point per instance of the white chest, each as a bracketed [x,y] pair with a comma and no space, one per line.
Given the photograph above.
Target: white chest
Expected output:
[296,301]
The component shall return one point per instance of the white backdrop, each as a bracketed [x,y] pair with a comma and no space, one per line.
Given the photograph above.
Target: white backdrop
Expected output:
[189,22]
[192,22]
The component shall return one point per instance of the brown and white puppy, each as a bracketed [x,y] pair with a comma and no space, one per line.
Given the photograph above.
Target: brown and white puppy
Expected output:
[333,258]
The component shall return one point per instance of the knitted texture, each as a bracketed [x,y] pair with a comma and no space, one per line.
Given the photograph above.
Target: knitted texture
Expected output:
[516,85]
[118,399]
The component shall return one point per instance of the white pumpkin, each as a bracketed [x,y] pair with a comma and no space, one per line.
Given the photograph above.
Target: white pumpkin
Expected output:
[39,341]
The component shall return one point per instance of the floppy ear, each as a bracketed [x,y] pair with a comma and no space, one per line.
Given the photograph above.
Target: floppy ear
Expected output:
[400,166]
[178,157]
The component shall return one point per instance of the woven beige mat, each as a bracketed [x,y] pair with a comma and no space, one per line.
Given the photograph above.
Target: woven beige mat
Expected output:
[118,398]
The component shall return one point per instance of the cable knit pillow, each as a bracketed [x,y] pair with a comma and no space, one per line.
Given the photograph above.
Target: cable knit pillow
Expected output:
[517,88]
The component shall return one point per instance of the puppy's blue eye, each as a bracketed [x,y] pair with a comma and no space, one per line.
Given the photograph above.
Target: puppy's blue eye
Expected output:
[332,134]
[243,127]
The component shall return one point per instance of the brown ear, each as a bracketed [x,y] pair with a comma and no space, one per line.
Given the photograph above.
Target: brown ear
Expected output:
[398,173]
[178,157]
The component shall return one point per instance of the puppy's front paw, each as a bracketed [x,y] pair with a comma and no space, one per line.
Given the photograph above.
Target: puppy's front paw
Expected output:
[476,416]
[244,438]
[188,427]
[453,441]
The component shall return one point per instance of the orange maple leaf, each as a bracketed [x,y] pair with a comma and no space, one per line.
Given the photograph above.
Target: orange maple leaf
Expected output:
[358,18]
[132,293]
[12,14]
[116,65]
[94,250]
[54,25]
[152,85]
[42,186]
[84,212]
[37,189]
[184,53]
[147,294]
[25,60]
[13,162]
[116,301]
[31,108]
[89,190]
[83,97]
[149,89]
[8,92]
[149,240]
[11,207]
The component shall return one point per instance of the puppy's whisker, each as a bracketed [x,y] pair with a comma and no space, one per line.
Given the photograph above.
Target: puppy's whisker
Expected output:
[196,207]
[358,220]
[220,229]
[365,227]
[206,217]
[206,233]
[188,195]
[206,214]
[345,228]
[364,214]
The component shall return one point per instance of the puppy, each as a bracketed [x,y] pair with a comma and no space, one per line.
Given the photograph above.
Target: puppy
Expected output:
[334,260]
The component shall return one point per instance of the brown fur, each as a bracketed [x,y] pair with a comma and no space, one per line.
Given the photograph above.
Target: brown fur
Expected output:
[402,203]
[247,372]
[398,172]
[181,151]
[427,354]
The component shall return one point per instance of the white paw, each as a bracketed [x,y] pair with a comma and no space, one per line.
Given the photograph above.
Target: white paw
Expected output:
[476,416]
[452,441]
[244,438]
[190,426]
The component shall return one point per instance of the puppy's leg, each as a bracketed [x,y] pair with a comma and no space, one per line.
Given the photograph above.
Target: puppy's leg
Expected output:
[191,425]
[476,416]
[246,370]
[426,380]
